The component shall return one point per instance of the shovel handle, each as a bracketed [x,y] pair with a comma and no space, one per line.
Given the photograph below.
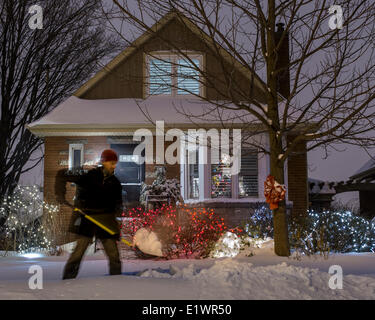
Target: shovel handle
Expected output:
[101,226]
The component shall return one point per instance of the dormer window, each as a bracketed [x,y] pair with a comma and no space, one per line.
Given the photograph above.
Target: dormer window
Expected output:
[173,75]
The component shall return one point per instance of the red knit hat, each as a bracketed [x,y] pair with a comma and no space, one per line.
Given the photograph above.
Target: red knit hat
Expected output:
[108,155]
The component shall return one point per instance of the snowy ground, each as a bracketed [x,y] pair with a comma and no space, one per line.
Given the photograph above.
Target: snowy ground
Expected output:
[261,276]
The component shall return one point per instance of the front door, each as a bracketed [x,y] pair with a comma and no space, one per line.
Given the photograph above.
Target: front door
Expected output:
[129,172]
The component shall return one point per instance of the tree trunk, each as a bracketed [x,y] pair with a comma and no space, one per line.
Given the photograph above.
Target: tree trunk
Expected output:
[280,222]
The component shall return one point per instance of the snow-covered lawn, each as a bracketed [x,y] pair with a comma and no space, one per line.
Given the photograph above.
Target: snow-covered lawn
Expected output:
[261,276]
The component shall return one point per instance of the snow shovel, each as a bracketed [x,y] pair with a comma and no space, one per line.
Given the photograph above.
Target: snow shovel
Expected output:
[142,254]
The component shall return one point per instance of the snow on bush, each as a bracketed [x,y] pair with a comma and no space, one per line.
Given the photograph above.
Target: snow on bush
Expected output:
[161,187]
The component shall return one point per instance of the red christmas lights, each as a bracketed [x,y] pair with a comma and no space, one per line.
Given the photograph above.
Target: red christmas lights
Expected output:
[190,234]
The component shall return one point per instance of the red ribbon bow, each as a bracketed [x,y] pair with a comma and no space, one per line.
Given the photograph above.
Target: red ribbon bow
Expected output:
[274,192]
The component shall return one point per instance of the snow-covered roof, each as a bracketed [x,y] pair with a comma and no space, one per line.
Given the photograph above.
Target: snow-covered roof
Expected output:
[367,168]
[108,114]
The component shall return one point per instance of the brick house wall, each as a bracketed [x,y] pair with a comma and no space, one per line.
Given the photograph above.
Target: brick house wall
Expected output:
[297,180]
[56,158]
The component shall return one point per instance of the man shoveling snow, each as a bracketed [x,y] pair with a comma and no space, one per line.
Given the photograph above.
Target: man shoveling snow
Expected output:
[98,200]
[98,193]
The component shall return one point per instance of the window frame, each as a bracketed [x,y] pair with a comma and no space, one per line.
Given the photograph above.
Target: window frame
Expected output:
[73,147]
[204,174]
[173,56]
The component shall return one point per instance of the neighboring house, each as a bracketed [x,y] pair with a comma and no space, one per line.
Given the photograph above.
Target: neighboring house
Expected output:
[363,181]
[107,109]
[320,194]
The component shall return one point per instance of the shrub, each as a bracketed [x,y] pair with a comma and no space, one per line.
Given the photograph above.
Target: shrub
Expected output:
[23,228]
[260,224]
[161,187]
[324,232]
[182,231]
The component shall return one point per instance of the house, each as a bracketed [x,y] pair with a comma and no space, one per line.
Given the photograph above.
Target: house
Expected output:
[363,181]
[320,194]
[106,111]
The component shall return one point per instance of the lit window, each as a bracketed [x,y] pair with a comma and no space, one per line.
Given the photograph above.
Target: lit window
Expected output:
[221,178]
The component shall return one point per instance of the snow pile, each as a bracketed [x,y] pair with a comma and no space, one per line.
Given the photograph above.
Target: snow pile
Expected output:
[255,246]
[147,241]
[231,279]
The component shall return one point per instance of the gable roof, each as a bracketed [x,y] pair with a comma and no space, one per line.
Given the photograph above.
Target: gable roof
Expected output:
[149,34]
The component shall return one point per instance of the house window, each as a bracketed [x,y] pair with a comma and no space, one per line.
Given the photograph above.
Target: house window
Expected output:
[173,75]
[188,77]
[221,178]
[215,178]
[75,156]
[160,75]
[248,175]
[193,174]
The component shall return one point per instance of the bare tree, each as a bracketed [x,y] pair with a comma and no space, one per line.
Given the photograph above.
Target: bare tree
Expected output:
[327,83]
[40,67]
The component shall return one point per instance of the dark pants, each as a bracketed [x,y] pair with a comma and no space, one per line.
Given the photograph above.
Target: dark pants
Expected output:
[74,261]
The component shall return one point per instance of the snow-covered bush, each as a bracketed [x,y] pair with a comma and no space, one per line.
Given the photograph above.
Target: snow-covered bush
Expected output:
[327,231]
[161,187]
[23,228]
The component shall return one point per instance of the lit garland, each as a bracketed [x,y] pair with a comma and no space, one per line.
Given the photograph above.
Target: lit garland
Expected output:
[193,237]
[338,231]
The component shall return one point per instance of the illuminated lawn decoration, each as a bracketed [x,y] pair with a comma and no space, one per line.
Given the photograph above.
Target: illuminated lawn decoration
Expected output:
[229,245]
[338,231]
[192,233]
[22,213]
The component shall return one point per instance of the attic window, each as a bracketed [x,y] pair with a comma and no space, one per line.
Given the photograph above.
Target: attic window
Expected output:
[174,75]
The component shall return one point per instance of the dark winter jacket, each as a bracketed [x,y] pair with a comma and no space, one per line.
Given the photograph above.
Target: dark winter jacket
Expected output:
[96,195]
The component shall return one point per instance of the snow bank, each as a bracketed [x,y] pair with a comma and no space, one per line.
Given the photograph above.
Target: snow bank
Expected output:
[148,242]
[231,279]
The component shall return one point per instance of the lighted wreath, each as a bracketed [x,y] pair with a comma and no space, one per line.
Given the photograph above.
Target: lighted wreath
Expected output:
[274,192]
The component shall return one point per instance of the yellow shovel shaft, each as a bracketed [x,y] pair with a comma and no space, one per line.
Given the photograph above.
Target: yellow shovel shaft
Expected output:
[126,242]
[102,226]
